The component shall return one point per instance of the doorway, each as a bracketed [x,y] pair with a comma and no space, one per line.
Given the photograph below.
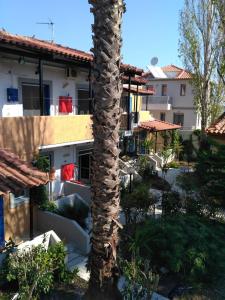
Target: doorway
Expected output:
[84,165]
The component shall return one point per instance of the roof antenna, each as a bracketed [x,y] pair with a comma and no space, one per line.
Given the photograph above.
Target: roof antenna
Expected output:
[50,24]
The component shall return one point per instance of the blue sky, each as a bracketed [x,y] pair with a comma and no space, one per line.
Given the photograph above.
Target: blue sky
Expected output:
[150,27]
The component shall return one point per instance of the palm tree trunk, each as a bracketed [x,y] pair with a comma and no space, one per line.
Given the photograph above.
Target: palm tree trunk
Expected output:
[106,123]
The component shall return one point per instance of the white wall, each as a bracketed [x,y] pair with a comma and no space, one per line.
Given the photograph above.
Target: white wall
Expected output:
[173,90]
[11,73]
[180,104]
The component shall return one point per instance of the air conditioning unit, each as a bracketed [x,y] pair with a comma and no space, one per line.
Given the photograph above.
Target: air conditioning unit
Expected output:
[71,73]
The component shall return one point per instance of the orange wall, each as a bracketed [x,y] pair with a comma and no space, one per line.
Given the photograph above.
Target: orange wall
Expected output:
[17,222]
[24,135]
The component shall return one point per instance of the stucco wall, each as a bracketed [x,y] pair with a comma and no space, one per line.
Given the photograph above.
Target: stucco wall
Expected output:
[24,135]
[190,117]
[173,90]
[180,104]
[17,220]
[12,74]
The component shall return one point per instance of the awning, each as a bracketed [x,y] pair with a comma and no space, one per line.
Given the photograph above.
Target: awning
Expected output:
[140,92]
[16,174]
[157,125]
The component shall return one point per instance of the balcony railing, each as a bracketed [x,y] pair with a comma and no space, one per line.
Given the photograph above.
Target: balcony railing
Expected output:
[149,101]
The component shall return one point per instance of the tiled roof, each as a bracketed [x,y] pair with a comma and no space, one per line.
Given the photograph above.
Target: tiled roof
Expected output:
[171,68]
[134,80]
[181,73]
[16,175]
[158,125]
[218,127]
[184,75]
[140,91]
[48,47]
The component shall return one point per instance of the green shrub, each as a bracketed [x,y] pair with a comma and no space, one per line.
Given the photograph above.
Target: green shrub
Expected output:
[37,269]
[136,204]
[173,164]
[141,281]
[78,212]
[189,246]
[50,206]
[171,203]
[39,194]
[144,168]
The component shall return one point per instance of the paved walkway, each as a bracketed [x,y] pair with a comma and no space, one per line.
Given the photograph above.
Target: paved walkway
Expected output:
[75,260]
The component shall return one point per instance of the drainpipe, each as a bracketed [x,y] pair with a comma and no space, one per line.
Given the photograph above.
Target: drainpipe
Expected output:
[136,104]
[128,106]
[41,87]
[90,91]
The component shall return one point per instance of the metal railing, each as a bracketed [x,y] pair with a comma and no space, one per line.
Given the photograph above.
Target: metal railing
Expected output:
[159,99]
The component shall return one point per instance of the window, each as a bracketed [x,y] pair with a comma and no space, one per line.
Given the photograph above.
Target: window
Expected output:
[19,198]
[84,102]
[124,103]
[182,89]
[164,89]
[31,101]
[162,116]
[178,118]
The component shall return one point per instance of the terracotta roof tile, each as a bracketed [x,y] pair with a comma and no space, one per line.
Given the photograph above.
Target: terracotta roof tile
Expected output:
[158,125]
[171,68]
[134,80]
[48,47]
[218,127]
[140,91]
[16,174]
[184,75]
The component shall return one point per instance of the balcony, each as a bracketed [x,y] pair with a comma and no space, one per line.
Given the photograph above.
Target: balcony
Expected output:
[157,103]
[26,135]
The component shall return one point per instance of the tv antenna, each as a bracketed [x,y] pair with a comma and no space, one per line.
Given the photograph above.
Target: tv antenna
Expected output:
[50,25]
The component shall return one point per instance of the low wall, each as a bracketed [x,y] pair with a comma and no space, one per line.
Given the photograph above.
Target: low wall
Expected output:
[68,230]
[70,200]
[84,191]
[16,219]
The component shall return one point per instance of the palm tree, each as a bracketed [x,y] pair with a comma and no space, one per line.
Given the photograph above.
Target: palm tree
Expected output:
[107,88]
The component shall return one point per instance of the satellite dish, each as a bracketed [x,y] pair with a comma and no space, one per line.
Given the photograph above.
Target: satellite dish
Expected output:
[154,61]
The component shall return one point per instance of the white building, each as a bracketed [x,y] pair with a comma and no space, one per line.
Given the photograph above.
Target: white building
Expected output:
[173,99]
[46,104]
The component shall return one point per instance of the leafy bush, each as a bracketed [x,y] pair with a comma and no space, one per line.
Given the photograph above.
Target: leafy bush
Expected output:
[171,203]
[190,246]
[141,281]
[137,203]
[144,168]
[50,206]
[173,164]
[78,212]
[39,194]
[37,269]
